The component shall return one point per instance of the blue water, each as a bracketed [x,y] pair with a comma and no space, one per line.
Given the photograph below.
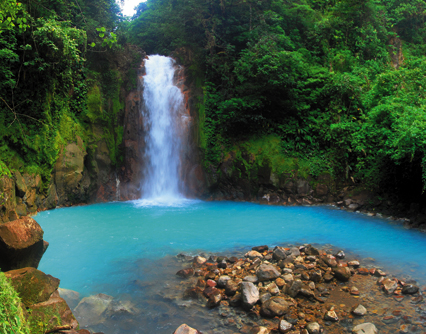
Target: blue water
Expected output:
[94,248]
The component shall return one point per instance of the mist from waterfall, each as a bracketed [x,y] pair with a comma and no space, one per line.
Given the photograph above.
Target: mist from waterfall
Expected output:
[164,121]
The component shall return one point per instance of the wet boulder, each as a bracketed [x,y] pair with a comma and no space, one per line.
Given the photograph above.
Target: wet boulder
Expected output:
[267,272]
[21,244]
[32,285]
[275,306]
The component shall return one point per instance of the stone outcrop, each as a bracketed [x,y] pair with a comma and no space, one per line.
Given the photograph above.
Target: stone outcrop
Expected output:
[21,244]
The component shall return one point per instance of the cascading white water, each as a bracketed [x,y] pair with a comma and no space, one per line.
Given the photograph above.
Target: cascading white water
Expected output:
[164,123]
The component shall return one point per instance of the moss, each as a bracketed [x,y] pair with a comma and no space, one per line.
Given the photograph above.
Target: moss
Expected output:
[94,103]
[12,319]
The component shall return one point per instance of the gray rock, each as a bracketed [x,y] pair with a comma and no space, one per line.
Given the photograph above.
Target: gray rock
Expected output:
[365,328]
[340,254]
[252,279]
[294,288]
[71,297]
[264,297]
[249,293]
[221,282]
[273,289]
[410,289]
[306,291]
[309,250]
[89,310]
[285,326]
[295,251]
[313,328]
[266,272]
[359,310]
[279,253]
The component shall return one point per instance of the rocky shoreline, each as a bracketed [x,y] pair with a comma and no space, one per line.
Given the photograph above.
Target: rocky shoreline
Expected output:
[301,290]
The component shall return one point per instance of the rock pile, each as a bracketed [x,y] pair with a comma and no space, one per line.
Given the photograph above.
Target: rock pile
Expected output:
[300,290]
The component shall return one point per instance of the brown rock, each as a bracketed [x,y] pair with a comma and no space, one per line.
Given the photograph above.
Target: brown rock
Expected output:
[184,273]
[275,306]
[21,244]
[343,274]
[32,285]
[53,313]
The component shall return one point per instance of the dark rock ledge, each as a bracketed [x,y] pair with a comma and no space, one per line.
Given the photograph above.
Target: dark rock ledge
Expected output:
[301,290]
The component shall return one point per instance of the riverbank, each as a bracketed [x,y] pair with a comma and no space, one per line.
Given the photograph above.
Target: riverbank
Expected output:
[279,290]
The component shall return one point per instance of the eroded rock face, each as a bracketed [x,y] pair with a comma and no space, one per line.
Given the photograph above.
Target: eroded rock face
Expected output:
[21,244]
[32,285]
[69,173]
[8,199]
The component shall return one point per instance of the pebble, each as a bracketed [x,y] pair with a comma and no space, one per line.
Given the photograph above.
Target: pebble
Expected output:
[359,310]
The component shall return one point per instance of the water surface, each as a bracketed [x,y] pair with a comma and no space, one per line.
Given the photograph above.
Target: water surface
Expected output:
[94,248]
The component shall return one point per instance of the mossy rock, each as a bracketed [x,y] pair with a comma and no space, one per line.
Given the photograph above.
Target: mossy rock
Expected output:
[51,314]
[32,285]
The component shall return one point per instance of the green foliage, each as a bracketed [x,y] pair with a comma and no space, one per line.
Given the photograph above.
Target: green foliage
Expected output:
[12,318]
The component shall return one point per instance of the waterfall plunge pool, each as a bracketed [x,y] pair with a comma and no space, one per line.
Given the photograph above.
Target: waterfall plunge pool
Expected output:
[121,248]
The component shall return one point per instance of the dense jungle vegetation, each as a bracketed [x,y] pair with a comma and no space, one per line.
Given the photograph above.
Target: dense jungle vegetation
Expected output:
[339,85]
[58,77]
[332,86]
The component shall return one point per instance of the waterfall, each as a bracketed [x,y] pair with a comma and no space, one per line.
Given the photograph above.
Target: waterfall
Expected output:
[165,122]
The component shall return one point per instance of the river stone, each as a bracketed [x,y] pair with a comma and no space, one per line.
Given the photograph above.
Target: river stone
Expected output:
[285,326]
[52,313]
[260,249]
[309,250]
[343,274]
[118,307]
[32,285]
[261,330]
[329,260]
[276,306]
[340,254]
[249,293]
[306,291]
[410,289]
[313,328]
[331,316]
[231,288]
[184,273]
[89,310]
[21,244]
[273,289]
[359,310]
[251,278]
[185,329]
[279,253]
[267,272]
[214,299]
[294,288]
[390,285]
[253,255]
[199,261]
[221,282]
[365,328]
[264,297]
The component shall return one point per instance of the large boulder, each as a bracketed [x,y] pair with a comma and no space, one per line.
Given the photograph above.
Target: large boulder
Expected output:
[21,244]
[53,314]
[32,285]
